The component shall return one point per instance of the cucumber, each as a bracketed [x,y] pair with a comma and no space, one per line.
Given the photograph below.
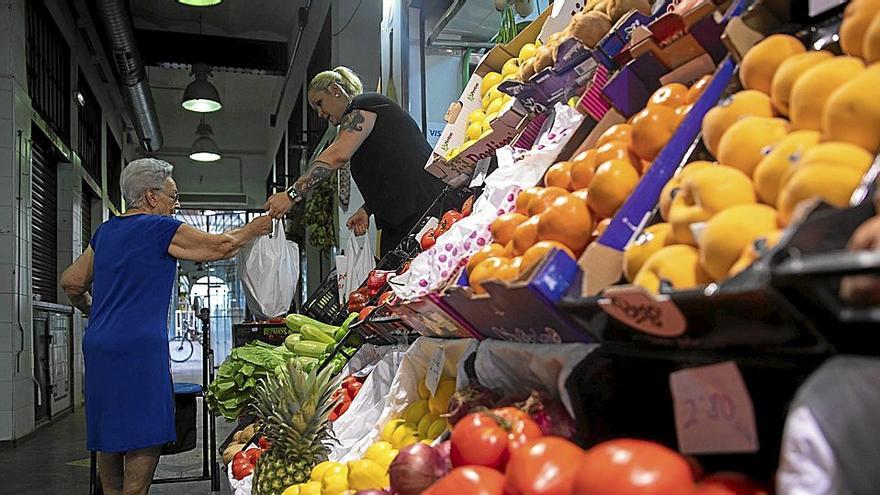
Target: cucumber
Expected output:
[309,332]
[295,322]
[306,348]
[290,340]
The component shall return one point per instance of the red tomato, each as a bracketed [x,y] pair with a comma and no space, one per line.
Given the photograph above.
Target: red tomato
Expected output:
[241,468]
[479,439]
[428,240]
[387,297]
[633,467]
[448,219]
[365,313]
[729,484]
[263,443]
[348,381]
[344,407]
[253,454]
[239,456]
[546,466]
[467,207]
[469,480]
[332,416]
[354,388]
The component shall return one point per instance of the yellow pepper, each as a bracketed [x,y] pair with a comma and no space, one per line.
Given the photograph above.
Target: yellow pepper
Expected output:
[367,475]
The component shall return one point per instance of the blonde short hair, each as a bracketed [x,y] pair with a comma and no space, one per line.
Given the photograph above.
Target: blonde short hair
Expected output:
[343,76]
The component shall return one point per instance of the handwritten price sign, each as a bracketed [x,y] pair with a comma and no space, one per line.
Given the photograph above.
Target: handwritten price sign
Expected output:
[435,370]
[641,311]
[713,410]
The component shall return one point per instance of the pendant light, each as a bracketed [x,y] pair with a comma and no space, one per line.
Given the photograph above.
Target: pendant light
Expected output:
[200,95]
[204,149]
[200,3]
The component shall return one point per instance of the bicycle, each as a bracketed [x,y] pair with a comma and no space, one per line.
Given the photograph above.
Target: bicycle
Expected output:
[180,347]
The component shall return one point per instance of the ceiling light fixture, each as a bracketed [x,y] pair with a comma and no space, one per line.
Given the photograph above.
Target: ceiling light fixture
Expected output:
[204,149]
[200,3]
[200,95]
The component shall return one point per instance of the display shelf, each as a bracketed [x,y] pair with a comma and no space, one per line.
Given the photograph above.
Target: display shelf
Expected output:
[469,24]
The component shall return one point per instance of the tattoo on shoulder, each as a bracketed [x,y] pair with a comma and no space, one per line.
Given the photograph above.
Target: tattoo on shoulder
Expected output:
[352,121]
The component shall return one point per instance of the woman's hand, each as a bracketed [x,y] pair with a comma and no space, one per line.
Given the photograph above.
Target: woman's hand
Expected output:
[278,204]
[359,222]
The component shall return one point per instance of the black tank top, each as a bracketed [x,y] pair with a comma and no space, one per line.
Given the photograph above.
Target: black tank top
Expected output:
[389,167]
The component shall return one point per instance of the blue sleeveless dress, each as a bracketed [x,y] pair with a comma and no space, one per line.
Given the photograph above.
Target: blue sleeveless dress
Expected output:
[129,396]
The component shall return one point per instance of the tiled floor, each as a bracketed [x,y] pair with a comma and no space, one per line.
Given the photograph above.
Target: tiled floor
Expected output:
[55,459]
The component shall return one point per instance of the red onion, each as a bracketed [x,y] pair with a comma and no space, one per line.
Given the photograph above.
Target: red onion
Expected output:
[443,450]
[372,492]
[416,468]
[468,400]
[550,415]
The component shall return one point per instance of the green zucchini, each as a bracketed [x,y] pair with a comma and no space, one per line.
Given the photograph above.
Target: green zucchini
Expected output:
[309,332]
[295,322]
[306,348]
[343,329]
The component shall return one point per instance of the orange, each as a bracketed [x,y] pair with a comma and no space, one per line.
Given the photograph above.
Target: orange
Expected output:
[697,89]
[652,128]
[672,187]
[814,87]
[494,268]
[670,95]
[616,150]
[583,195]
[748,141]
[617,132]
[543,199]
[523,198]
[583,167]
[681,112]
[539,251]
[648,242]
[857,17]
[788,73]
[525,235]
[491,250]
[559,175]
[568,221]
[508,249]
[502,228]
[761,62]
[728,232]
[729,111]
[613,183]
[644,166]
[601,227]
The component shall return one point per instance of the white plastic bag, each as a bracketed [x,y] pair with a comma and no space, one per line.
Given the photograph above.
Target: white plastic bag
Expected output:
[354,267]
[269,268]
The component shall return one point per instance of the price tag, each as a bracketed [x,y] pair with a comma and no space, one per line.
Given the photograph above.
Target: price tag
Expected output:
[641,311]
[713,410]
[435,370]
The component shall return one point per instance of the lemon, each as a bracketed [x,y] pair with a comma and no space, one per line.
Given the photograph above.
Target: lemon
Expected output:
[408,439]
[335,484]
[473,130]
[367,475]
[386,458]
[475,116]
[573,101]
[527,51]
[401,432]
[388,429]
[310,488]
[292,489]
[319,469]
[510,67]
[489,80]
[375,451]
[437,428]
[424,393]
[425,424]
[495,106]
[333,470]
[439,402]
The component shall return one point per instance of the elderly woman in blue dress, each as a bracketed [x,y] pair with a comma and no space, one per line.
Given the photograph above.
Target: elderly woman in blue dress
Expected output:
[123,282]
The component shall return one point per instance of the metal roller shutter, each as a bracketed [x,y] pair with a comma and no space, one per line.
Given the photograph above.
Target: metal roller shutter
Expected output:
[86,215]
[44,205]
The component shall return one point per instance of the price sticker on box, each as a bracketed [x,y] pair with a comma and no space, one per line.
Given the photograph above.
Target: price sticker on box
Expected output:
[435,370]
[714,413]
[640,310]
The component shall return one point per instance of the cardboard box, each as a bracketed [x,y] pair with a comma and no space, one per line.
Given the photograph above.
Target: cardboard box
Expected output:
[505,127]
[432,317]
[524,310]
[602,260]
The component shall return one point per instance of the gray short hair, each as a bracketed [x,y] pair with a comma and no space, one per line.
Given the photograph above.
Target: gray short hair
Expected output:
[141,175]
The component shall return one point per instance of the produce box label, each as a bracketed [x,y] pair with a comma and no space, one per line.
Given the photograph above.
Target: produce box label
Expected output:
[714,413]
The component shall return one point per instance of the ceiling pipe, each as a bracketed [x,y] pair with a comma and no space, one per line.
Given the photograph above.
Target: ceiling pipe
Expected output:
[132,73]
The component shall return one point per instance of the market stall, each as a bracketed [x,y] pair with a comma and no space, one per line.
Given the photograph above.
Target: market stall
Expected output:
[641,282]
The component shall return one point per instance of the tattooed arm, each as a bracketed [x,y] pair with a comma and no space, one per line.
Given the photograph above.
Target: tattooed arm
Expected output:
[355,127]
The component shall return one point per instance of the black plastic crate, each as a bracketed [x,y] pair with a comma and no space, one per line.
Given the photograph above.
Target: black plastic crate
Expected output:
[270,333]
[323,304]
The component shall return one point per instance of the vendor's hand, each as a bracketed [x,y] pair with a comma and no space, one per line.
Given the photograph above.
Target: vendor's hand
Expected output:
[359,222]
[863,290]
[278,204]
[262,225]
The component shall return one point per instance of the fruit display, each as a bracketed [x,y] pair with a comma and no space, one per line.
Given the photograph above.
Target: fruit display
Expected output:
[580,196]
[783,140]
[375,283]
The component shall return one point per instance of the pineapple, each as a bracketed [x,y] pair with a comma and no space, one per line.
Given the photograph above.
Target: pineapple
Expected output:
[293,406]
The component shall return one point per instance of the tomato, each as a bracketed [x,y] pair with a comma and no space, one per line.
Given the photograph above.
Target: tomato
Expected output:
[263,443]
[428,240]
[729,484]
[348,381]
[253,454]
[469,480]
[241,468]
[546,466]
[354,388]
[487,439]
[332,416]
[633,467]
[468,207]
[239,456]
[387,297]
[365,312]
[449,218]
